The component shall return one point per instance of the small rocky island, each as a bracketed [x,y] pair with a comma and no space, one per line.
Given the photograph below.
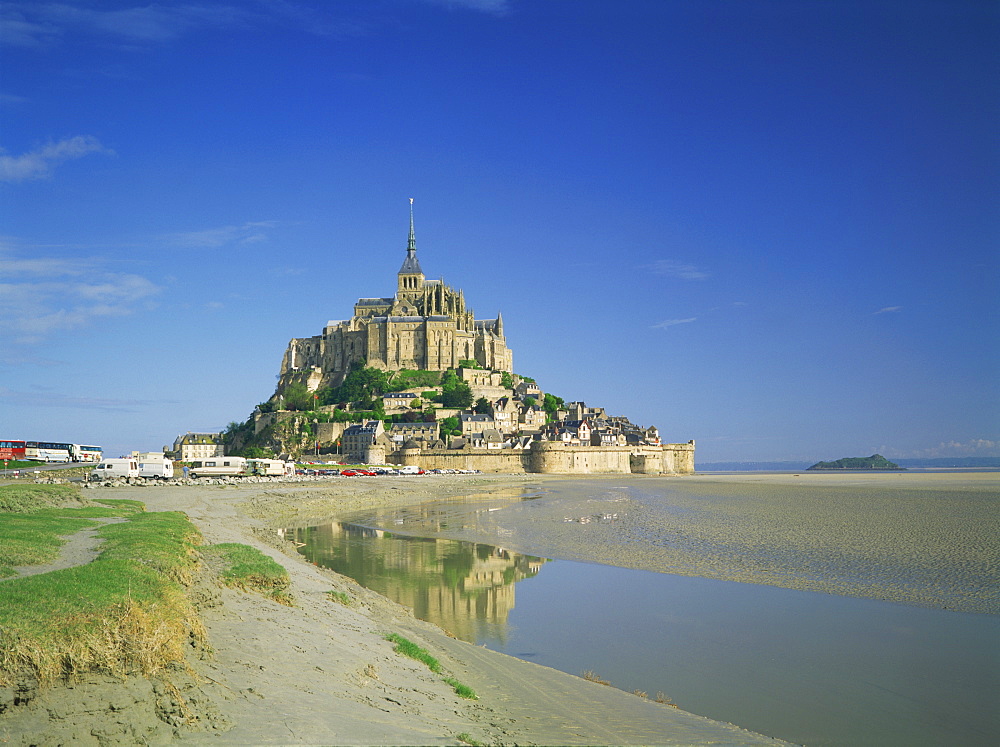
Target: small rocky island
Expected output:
[874,462]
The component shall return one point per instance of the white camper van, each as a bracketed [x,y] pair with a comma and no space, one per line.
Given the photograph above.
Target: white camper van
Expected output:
[270,468]
[220,466]
[154,466]
[112,469]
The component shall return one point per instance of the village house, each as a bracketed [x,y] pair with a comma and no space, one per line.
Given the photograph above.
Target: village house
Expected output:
[475,423]
[359,438]
[531,418]
[505,415]
[423,433]
[191,446]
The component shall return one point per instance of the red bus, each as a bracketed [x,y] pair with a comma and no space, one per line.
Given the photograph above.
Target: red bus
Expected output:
[11,451]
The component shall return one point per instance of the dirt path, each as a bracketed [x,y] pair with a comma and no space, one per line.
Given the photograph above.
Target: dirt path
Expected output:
[80,548]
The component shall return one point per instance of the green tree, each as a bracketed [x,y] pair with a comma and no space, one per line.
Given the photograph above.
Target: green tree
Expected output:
[506,380]
[550,404]
[460,396]
[483,406]
[450,427]
[298,397]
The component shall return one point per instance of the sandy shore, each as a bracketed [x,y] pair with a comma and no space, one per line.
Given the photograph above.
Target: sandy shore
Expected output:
[321,672]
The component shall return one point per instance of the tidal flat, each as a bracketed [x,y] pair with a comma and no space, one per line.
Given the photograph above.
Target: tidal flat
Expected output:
[823,609]
[924,539]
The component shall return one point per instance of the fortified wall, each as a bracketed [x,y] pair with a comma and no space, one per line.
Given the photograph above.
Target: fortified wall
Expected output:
[551,457]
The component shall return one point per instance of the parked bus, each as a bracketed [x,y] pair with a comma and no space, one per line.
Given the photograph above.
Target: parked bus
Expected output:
[223,466]
[12,451]
[270,467]
[85,453]
[47,451]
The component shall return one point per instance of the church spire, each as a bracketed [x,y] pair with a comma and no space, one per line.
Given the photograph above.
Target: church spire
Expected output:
[411,243]
[410,265]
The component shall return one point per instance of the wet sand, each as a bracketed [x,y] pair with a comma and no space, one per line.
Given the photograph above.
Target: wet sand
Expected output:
[930,539]
[321,672]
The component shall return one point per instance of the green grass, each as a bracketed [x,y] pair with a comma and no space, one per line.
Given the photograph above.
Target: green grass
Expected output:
[125,612]
[408,648]
[24,498]
[341,596]
[33,523]
[245,567]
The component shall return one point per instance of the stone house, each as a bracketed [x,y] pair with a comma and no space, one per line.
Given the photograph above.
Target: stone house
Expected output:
[505,415]
[423,433]
[398,400]
[531,418]
[529,389]
[580,428]
[490,438]
[198,446]
[475,423]
[360,437]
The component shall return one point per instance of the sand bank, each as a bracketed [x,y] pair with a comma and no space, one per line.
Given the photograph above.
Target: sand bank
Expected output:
[321,672]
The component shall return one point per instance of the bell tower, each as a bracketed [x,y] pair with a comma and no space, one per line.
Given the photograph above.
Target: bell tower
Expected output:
[410,282]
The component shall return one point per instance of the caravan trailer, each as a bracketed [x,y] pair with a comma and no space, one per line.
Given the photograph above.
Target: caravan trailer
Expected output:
[270,468]
[220,466]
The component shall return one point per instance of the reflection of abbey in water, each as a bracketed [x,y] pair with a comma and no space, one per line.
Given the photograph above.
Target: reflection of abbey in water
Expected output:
[463,587]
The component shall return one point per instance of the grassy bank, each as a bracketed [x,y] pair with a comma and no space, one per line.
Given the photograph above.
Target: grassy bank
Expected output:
[125,612]
[247,568]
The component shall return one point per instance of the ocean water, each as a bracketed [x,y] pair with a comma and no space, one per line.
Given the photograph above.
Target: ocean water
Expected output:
[806,666]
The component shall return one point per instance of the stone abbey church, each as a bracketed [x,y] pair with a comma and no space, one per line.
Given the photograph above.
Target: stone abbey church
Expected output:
[425,326]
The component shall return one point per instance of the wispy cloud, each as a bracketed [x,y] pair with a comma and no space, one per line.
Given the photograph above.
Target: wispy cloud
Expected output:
[493,7]
[888,310]
[973,447]
[681,270]
[38,163]
[673,322]
[43,296]
[36,25]
[43,25]
[63,401]
[251,232]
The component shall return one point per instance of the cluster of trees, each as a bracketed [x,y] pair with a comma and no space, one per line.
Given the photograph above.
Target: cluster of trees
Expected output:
[363,388]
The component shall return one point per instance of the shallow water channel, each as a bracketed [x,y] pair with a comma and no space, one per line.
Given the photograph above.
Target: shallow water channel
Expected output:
[808,667]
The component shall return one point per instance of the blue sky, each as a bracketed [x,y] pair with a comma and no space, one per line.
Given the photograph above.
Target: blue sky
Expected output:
[771,227]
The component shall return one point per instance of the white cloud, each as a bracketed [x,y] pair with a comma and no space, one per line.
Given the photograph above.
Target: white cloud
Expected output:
[682,270]
[889,310]
[38,163]
[673,322]
[44,296]
[251,232]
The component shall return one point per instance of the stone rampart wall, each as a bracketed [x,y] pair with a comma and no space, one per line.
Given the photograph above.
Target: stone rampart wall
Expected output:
[548,457]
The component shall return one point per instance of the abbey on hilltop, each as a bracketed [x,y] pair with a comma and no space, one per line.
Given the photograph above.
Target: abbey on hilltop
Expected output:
[425,326]
[452,399]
